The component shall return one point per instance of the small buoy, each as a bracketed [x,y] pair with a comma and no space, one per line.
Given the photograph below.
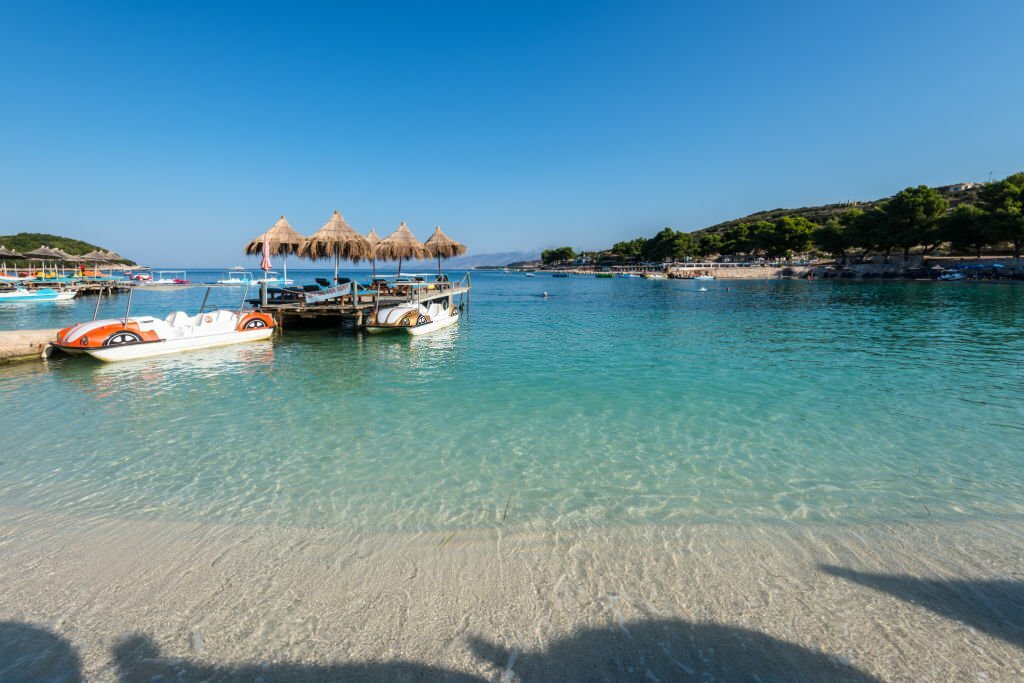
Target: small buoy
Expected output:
[545,295]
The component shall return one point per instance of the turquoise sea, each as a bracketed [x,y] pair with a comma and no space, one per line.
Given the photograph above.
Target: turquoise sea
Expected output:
[610,402]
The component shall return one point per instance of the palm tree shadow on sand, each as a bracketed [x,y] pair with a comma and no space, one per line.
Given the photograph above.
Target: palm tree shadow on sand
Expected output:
[138,660]
[669,650]
[995,607]
[29,653]
[666,650]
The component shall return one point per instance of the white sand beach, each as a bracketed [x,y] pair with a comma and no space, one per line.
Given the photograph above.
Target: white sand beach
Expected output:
[110,600]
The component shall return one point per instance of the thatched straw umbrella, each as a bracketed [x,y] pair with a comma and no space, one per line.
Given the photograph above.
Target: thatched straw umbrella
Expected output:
[6,253]
[374,240]
[336,239]
[401,244]
[443,246]
[282,239]
[41,254]
[65,257]
[97,257]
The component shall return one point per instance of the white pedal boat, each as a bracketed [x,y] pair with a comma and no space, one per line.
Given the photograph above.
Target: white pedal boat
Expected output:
[413,318]
[142,337]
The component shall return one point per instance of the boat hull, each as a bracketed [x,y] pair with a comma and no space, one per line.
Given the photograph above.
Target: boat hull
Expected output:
[413,319]
[143,337]
[37,296]
[124,352]
[433,326]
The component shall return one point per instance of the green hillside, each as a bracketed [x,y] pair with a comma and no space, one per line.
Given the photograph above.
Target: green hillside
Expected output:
[27,241]
[820,214]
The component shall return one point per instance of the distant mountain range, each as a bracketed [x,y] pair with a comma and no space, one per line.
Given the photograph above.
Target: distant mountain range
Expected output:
[470,261]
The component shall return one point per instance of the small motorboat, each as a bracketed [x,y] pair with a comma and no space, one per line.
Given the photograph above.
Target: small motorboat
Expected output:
[559,274]
[655,276]
[702,289]
[604,275]
[273,278]
[142,337]
[952,275]
[530,274]
[704,277]
[237,279]
[169,277]
[627,275]
[414,318]
[20,294]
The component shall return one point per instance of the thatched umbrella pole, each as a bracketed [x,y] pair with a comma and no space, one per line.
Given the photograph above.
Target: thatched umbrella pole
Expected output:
[401,244]
[374,240]
[336,238]
[441,245]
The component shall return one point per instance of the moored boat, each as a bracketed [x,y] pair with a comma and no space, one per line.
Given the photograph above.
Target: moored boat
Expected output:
[704,277]
[142,337]
[952,275]
[20,294]
[272,277]
[237,279]
[169,277]
[414,318]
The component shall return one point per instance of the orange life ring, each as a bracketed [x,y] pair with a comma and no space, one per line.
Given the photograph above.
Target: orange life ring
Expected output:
[208,319]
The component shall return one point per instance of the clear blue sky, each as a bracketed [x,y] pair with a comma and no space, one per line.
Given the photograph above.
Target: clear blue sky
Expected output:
[174,132]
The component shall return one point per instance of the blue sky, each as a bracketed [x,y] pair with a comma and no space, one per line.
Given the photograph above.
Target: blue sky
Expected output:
[174,132]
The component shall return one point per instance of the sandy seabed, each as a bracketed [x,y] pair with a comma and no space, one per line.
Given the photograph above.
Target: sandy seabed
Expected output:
[128,600]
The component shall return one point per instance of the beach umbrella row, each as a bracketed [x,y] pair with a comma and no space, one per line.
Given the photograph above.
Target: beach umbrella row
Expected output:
[51,254]
[337,240]
[44,253]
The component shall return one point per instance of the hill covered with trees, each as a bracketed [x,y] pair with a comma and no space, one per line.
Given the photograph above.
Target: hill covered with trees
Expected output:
[27,241]
[966,218]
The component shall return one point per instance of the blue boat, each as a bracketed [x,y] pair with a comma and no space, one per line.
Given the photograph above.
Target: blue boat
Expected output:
[20,294]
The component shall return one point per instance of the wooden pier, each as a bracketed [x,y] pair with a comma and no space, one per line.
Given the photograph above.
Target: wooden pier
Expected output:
[353,309]
[85,288]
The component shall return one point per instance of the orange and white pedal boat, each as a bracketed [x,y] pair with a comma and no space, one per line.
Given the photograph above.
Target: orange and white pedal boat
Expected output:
[141,337]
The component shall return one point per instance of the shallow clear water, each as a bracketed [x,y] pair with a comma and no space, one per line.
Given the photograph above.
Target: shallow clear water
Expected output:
[609,402]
